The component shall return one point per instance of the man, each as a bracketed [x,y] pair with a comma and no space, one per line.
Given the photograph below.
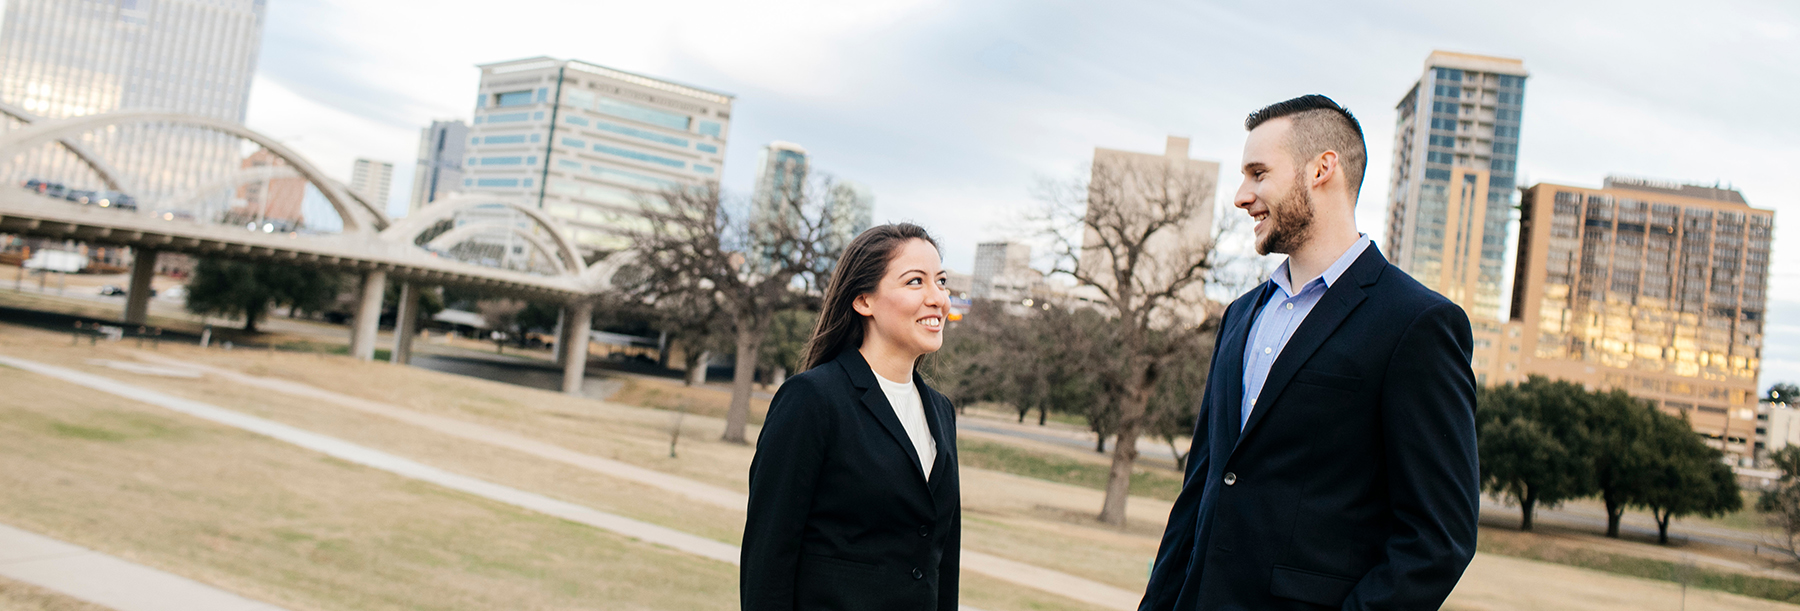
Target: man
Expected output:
[1334,461]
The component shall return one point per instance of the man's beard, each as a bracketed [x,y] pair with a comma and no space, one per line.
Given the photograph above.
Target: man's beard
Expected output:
[1290,222]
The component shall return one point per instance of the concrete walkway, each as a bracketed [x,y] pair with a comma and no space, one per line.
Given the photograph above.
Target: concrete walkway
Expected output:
[1046,580]
[107,580]
[1019,573]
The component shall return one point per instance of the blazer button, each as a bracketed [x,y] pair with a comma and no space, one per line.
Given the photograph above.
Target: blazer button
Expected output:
[925,530]
[1230,479]
[918,574]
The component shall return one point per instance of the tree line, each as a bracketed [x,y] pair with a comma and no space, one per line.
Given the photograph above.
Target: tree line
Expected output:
[1544,442]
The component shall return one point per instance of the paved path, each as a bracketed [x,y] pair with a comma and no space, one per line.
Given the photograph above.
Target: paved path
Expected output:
[1063,584]
[107,580]
[1055,582]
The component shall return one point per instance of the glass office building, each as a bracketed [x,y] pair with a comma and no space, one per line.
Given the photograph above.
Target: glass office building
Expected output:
[438,172]
[1456,147]
[586,143]
[66,58]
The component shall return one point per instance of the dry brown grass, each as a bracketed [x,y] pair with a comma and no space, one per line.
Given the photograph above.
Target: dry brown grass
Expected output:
[631,434]
[21,596]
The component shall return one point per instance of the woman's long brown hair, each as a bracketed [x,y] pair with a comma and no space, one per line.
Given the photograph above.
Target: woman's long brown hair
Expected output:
[858,273]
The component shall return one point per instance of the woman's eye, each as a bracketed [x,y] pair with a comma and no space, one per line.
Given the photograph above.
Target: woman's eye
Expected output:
[912,282]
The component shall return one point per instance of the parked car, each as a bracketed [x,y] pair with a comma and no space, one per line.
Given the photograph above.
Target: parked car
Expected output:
[110,290]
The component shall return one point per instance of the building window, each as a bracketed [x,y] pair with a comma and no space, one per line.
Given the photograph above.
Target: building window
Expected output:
[497,182]
[572,165]
[707,148]
[574,120]
[502,160]
[512,98]
[1449,74]
[626,110]
[632,178]
[711,128]
[542,91]
[640,156]
[510,117]
[575,142]
[507,139]
[642,134]
[702,169]
[537,116]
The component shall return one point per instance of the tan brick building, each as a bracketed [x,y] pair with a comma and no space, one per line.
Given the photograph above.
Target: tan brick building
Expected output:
[1651,287]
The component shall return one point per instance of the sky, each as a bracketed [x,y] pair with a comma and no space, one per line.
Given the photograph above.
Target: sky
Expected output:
[952,112]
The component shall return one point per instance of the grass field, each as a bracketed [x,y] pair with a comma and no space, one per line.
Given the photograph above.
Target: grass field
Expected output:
[284,525]
[19,596]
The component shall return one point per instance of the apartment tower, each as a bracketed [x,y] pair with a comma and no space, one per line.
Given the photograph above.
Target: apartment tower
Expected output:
[1657,288]
[1456,145]
[372,180]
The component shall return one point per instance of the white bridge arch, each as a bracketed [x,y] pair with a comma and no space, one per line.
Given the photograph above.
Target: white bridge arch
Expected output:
[560,248]
[358,216]
[107,175]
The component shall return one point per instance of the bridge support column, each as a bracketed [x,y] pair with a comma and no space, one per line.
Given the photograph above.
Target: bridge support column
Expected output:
[368,316]
[578,319]
[137,296]
[406,314]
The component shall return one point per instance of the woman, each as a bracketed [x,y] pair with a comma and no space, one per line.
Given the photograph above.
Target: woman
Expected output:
[854,501]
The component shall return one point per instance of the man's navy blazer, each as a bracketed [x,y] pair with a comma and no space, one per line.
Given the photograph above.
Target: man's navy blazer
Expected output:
[841,515]
[1354,485]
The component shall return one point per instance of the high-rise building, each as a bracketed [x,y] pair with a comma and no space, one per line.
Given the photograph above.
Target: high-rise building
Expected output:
[1144,180]
[1653,287]
[1456,145]
[372,179]
[850,212]
[438,171]
[274,200]
[588,144]
[999,263]
[781,171]
[66,58]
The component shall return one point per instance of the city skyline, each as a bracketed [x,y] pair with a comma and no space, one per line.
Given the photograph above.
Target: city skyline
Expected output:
[955,134]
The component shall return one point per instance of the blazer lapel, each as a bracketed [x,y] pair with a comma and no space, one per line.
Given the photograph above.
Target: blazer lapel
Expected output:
[936,415]
[1232,367]
[875,401]
[1333,307]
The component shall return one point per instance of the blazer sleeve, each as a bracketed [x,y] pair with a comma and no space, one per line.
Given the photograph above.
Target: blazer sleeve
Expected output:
[783,475]
[1428,421]
[950,564]
[1170,568]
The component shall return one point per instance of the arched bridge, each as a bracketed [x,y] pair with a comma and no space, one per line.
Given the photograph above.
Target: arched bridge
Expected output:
[380,250]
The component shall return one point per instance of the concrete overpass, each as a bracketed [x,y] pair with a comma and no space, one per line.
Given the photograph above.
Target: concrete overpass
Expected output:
[371,246]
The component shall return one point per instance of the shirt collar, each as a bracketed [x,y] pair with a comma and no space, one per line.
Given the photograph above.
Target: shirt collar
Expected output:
[1331,275]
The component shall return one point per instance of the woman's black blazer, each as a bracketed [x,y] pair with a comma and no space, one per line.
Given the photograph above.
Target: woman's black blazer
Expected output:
[841,516]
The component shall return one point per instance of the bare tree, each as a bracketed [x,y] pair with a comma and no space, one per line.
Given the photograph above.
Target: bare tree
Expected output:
[752,268]
[1137,232]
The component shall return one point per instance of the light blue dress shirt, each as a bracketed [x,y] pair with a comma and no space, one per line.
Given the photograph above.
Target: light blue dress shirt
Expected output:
[1284,312]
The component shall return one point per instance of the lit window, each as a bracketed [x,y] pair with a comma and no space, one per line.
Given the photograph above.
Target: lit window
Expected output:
[512,98]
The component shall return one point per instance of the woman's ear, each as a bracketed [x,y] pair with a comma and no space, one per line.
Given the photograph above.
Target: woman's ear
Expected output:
[862,306]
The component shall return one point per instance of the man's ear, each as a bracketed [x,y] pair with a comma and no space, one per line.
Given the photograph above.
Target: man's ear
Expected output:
[1324,166]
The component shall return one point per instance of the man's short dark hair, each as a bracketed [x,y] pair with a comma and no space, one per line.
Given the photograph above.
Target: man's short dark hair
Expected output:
[1320,125]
